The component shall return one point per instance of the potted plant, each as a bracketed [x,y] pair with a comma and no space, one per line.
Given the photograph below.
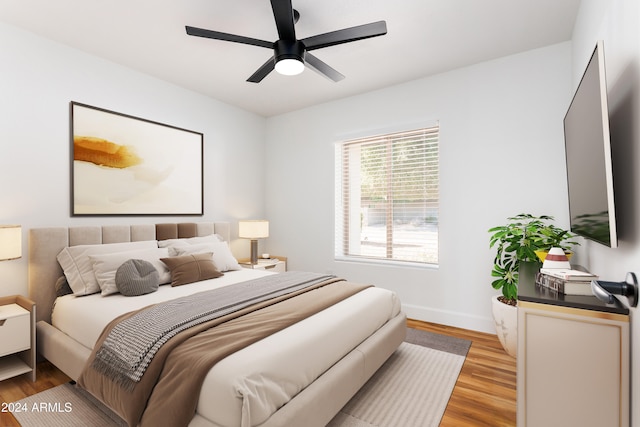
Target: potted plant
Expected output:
[516,245]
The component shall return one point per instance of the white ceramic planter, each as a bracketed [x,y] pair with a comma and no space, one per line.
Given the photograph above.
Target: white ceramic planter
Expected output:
[506,319]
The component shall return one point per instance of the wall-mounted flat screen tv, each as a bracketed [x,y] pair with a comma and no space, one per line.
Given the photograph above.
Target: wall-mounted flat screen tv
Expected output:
[588,155]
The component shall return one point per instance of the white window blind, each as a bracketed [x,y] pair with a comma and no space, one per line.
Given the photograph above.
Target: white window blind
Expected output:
[387,196]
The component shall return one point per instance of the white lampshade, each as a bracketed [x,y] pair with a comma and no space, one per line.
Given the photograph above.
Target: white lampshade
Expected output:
[289,67]
[10,242]
[253,229]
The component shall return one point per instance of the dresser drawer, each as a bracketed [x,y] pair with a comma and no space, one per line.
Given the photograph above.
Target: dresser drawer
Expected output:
[15,329]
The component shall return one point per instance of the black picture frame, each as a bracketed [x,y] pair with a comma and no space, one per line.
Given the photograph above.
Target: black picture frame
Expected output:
[127,165]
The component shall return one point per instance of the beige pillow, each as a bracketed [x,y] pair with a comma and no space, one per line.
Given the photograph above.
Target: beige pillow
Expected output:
[105,266]
[191,268]
[222,256]
[76,264]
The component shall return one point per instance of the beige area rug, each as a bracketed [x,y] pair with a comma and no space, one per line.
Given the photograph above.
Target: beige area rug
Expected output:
[411,389]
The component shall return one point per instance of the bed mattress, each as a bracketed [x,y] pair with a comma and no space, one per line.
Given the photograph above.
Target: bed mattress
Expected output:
[246,388]
[83,318]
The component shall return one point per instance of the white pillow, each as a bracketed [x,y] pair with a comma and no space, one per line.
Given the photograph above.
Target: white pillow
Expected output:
[77,268]
[106,265]
[223,259]
[211,238]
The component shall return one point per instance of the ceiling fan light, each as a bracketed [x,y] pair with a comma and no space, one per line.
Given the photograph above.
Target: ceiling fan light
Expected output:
[289,67]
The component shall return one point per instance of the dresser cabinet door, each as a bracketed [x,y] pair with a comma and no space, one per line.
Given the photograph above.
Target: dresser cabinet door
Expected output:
[573,367]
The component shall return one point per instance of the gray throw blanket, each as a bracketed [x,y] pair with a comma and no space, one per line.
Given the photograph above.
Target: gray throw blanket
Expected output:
[129,348]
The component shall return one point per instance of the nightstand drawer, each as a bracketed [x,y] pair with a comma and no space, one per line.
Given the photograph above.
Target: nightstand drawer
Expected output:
[274,265]
[278,267]
[15,329]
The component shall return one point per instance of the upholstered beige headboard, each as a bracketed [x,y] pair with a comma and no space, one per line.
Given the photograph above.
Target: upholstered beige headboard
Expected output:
[46,243]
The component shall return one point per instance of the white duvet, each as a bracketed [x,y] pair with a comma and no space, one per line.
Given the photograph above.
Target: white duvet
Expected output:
[246,388]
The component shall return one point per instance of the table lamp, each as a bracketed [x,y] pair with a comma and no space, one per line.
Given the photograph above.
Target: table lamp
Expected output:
[10,242]
[254,230]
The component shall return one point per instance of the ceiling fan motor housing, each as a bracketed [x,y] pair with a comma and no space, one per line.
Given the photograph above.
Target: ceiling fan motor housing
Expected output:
[288,49]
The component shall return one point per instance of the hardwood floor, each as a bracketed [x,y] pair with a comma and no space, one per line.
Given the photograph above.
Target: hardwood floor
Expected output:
[13,389]
[485,394]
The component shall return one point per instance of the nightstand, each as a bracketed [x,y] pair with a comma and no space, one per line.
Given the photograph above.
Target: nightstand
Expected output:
[17,337]
[277,264]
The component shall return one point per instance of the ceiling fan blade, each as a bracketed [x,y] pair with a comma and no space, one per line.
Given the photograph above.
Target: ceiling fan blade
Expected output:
[263,71]
[346,35]
[217,35]
[283,14]
[322,68]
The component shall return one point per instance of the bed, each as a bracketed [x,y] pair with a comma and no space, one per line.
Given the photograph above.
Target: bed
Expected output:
[315,365]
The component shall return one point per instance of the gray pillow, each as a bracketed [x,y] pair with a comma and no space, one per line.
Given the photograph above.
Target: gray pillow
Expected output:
[137,277]
[62,287]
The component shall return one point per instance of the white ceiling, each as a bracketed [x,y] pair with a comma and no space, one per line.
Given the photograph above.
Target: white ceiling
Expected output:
[424,37]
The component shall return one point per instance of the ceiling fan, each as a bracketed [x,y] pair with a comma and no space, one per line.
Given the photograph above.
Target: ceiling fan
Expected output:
[290,54]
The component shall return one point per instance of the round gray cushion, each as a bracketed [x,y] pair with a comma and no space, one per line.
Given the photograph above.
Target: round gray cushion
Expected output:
[137,277]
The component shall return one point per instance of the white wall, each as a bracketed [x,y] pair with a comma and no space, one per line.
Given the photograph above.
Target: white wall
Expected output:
[38,80]
[617,24]
[501,154]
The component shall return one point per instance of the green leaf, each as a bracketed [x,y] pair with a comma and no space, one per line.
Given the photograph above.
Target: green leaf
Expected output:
[517,241]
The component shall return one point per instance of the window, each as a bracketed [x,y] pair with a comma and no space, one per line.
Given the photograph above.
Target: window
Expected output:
[387,197]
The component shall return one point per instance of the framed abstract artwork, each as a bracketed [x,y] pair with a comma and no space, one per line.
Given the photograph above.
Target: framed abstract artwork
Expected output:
[125,165]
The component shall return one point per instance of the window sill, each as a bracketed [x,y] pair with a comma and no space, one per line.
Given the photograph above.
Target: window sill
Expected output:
[386,263]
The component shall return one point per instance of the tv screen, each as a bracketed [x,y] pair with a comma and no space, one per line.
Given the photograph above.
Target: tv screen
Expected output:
[588,155]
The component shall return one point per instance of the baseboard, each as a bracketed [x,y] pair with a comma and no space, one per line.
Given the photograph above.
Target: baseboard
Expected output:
[450,318]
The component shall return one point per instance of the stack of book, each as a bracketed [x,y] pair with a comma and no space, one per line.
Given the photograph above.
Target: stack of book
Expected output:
[565,281]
